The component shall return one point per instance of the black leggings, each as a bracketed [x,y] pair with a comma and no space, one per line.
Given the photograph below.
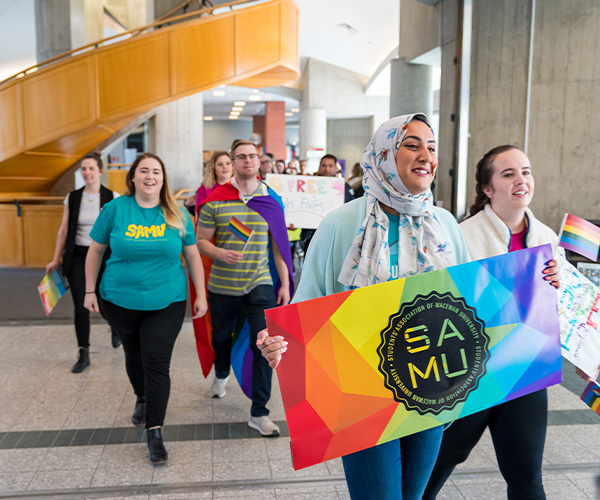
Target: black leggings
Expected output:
[148,339]
[518,430]
[76,279]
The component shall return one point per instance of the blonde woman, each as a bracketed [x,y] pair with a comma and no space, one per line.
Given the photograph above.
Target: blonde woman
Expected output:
[143,289]
[219,170]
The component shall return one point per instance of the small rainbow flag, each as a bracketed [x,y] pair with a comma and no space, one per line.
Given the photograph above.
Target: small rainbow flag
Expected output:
[240,231]
[51,289]
[580,236]
[591,396]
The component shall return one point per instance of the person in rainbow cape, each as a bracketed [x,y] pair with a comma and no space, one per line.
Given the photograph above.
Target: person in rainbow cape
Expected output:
[248,275]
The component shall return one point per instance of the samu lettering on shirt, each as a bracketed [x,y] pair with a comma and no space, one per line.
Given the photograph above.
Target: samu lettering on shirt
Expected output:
[139,231]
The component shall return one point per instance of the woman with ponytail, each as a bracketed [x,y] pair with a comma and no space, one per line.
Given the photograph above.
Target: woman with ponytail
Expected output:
[500,222]
[144,287]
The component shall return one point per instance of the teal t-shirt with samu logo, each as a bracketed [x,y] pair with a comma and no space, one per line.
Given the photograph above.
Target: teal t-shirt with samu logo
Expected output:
[144,271]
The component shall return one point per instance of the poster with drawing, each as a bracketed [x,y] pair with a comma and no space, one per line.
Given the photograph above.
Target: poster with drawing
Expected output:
[307,199]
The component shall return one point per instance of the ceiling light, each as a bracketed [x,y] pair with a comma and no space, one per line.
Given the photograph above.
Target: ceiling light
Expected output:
[255,91]
[233,117]
[235,113]
[208,118]
[289,114]
[239,103]
[254,97]
[219,93]
[295,110]
[237,108]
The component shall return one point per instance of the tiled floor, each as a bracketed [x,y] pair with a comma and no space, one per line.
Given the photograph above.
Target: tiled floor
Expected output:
[66,436]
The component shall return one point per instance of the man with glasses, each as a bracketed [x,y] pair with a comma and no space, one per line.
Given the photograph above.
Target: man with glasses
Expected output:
[240,277]
[267,162]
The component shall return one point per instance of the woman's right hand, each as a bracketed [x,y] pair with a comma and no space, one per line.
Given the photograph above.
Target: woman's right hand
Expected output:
[272,348]
[51,267]
[91,302]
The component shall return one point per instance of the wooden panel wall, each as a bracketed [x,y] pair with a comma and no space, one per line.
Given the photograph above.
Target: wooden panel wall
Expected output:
[11,229]
[40,226]
[51,117]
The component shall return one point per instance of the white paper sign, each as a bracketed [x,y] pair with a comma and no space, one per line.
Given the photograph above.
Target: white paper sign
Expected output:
[307,199]
[578,303]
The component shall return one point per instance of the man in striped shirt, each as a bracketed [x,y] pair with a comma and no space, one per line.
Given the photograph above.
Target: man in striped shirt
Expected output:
[240,278]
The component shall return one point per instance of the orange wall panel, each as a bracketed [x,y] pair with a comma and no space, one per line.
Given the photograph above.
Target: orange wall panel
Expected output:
[134,75]
[59,100]
[11,250]
[202,55]
[257,38]
[289,34]
[40,226]
[11,126]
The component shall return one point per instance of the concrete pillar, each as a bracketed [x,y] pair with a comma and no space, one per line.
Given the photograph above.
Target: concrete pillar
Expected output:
[52,28]
[411,88]
[313,130]
[178,140]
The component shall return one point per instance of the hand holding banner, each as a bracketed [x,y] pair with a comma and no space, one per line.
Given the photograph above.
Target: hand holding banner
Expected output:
[374,364]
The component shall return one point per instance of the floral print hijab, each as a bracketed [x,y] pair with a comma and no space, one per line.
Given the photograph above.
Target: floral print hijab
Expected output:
[422,246]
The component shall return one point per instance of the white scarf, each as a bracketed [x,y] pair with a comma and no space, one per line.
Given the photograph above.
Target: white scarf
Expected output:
[422,245]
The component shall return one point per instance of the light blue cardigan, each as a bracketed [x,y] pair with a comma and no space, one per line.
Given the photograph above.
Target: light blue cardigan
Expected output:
[334,237]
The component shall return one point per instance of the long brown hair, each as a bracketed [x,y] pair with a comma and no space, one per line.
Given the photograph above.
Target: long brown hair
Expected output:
[483,176]
[168,204]
[210,174]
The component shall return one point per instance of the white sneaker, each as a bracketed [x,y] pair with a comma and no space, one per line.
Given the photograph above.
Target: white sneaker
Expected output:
[264,425]
[217,389]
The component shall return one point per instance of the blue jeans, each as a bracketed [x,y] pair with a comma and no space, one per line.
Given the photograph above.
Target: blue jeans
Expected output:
[396,470]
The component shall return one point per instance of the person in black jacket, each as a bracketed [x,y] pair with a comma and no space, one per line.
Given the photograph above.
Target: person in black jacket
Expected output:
[82,207]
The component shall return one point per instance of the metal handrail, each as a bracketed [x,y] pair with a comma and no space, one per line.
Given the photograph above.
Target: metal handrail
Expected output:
[134,32]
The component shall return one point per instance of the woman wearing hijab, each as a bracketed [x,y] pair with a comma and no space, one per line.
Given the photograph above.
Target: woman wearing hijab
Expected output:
[500,222]
[393,231]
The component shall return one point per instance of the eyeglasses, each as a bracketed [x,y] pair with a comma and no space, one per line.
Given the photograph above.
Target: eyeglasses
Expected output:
[252,156]
[266,162]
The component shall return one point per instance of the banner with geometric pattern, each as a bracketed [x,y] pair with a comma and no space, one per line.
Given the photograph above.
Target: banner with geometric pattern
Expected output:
[373,364]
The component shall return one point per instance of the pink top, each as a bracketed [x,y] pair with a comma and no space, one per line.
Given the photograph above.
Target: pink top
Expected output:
[202,194]
[517,241]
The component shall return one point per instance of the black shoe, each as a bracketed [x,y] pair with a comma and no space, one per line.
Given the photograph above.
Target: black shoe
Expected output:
[139,412]
[115,339]
[158,452]
[83,360]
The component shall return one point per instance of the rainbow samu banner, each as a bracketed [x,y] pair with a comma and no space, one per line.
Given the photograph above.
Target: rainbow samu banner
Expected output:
[373,364]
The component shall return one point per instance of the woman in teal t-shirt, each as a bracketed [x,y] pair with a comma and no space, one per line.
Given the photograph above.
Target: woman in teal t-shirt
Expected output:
[143,289]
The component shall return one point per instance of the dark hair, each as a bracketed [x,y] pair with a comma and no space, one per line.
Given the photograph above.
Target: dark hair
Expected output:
[483,176]
[94,156]
[271,156]
[329,156]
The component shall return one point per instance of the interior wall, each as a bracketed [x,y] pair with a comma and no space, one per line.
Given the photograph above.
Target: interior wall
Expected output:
[220,134]
[565,98]
[341,93]
[347,138]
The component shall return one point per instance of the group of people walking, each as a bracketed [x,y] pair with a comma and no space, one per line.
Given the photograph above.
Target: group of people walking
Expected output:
[391,232]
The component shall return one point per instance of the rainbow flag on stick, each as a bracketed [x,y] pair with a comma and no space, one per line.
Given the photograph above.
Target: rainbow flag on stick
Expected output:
[580,236]
[51,289]
[591,396]
[241,232]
